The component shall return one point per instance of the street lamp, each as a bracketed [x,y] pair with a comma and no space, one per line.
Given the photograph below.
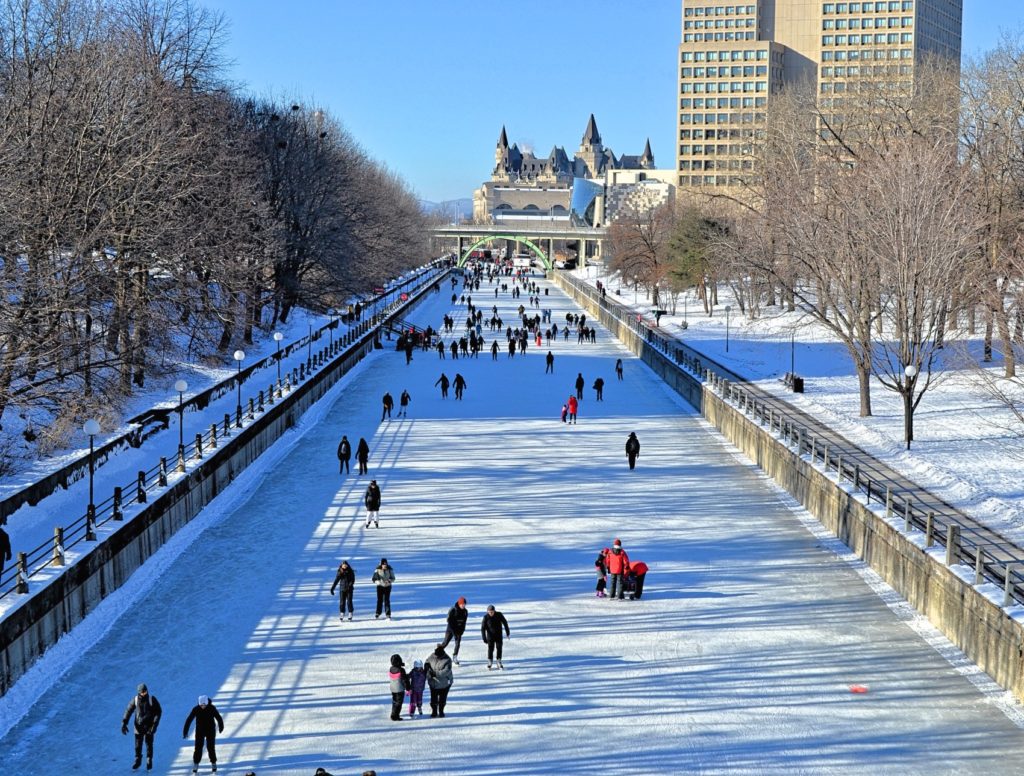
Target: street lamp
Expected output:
[92,428]
[239,357]
[792,352]
[278,336]
[908,404]
[309,349]
[181,386]
[636,283]
[728,309]
[330,327]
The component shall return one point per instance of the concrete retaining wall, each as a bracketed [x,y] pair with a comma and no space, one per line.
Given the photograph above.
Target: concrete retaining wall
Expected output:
[55,609]
[977,625]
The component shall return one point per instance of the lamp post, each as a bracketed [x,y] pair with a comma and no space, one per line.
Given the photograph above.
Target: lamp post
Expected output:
[181,386]
[636,283]
[239,358]
[908,404]
[330,327]
[309,349]
[92,428]
[278,336]
[792,352]
[728,309]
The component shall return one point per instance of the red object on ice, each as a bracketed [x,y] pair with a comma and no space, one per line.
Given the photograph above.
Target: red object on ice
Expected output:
[858,689]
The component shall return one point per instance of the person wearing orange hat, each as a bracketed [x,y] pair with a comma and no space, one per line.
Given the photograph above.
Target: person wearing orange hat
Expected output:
[617,564]
[457,617]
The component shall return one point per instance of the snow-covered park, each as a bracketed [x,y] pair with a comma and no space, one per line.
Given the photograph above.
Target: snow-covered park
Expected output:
[759,645]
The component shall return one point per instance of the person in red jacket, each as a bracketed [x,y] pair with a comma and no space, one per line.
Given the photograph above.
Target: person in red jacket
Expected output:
[637,572]
[573,404]
[617,563]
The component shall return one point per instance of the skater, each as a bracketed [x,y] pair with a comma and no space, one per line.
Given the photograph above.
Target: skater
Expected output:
[372,501]
[440,679]
[408,351]
[580,385]
[362,455]
[573,406]
[389,404]
[383,578]
[602,572]
[403,404]
[637,573]
[460,385]
[617,563]
[205,714]
[618,368]
[346,580]
[417,681]
[599,388]
[491,631]
[399,683]
[632,449]
[494,350]
[147,711]
[550,359]
[344,454]
[443,382]
[565,411]
[457,617]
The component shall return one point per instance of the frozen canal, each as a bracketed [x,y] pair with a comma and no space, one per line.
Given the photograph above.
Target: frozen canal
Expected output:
[739,658]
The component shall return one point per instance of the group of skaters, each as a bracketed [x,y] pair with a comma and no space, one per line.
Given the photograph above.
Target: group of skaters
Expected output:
[147,713]
[626,576]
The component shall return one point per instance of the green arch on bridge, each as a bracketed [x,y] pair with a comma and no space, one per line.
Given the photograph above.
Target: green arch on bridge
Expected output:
[545,260]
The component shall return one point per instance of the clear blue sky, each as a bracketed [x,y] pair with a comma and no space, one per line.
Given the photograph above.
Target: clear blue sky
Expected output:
[425,85]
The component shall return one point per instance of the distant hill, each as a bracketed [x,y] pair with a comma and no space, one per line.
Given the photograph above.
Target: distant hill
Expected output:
[452,208]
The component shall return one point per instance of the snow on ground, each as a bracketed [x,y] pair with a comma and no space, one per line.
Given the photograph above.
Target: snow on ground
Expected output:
[967,448]
[739,658]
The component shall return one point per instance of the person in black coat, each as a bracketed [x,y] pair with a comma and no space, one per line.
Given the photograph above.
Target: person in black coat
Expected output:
[362,454]
[389,404]
[599,388]
[457,616]
[344,454]
[147,711]
[346,579]
[5,549]
[632,449]
[580,385]
[372,501]
[492,628]
[205,714]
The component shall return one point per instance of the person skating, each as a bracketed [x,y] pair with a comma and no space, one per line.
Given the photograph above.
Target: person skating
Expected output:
[346,580]
[443,382]
[383,578]
[550,360]
[344,454]
[372,501]
[617,563]
[456,626]
[565,411]
[599,388]
[602,572]
[638,573]
[389,404]
[491,628]
[208,724]
[147,711]
[399,683]
[403,404]
[573,405]
[362,455]
[460,385]
[580,385]
[417,682]
[618,368]
[494,350]
[440,678]
[632,449]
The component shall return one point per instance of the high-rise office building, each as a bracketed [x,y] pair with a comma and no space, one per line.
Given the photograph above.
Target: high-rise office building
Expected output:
[733,58]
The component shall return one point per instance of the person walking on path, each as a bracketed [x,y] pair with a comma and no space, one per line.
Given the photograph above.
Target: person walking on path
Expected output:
[573,405]
[147,711]
[632,449]
[580,385]
[372,501]
[362,454]
[399,683]
[344,454]
[491,628]
[618,368]
[383,578]
[617,562]
[417,683]
[389,404]
[346,580]
[443,382]
[440,678]
[457,617]
[206,715]
[403,404]
[602,572]
[599,388]
[637,573]
[550,360]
